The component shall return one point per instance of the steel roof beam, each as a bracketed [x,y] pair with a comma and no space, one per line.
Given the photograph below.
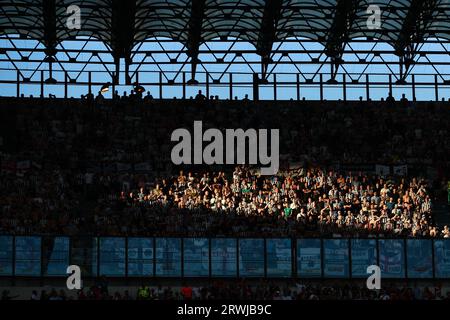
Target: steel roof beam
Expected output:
[195,34]
[267,33]
[338,36]
[413,31]
[122,34]
[416,23]
[49,15]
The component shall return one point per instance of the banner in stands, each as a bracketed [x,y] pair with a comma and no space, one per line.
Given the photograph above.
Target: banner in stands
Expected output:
[336,258]
[28,256]
[364,254]
[382,170]
[168,257]
[112,256]
[279,257]
[49,256]
[84,254]
[140,256]
[401,170]
[223,258]
[251,257]
[392,258]
[442,258]
[196,257]
[56,256]
[309,258]
[6,255]
[420,258]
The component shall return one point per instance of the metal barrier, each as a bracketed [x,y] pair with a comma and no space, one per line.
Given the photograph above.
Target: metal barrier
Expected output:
[277,87]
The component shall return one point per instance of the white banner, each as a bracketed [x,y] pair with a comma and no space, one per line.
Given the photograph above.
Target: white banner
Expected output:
[401,170]
[382,170]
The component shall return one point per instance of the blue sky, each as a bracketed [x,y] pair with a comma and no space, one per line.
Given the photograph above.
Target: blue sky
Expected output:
[285,72]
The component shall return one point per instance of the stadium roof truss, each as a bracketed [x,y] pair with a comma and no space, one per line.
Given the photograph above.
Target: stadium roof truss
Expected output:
[203,40]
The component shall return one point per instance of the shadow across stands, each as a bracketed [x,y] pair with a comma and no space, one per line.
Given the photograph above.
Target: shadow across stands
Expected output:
[102,167]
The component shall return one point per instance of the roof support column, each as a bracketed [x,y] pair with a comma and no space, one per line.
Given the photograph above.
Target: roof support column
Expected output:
[414,28]
[267,34]
[122,34]
[338,37]
[195,35]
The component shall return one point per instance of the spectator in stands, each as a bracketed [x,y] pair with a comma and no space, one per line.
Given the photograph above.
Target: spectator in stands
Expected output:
[446,232]
[186,292]
[148,98]
[34,296]
[390,98]
[200,96]
[143,293]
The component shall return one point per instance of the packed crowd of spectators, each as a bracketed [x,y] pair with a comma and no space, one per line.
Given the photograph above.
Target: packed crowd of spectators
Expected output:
[73,133]
[71,183]
[303,202]
[242,290]
[266,291]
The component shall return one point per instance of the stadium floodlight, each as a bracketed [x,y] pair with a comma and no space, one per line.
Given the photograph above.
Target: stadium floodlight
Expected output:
[50,80]
[192,82]
[105,87]
[138,88]
[332,81]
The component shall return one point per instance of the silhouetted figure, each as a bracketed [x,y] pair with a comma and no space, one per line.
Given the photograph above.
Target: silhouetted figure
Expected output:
[200,96]
[390,99]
